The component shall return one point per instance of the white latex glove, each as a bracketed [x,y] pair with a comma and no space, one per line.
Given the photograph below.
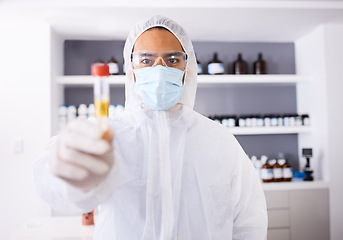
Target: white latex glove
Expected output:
[82,157]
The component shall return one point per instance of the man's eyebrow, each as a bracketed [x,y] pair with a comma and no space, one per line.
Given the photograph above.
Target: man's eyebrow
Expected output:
[176,53]
[145,54]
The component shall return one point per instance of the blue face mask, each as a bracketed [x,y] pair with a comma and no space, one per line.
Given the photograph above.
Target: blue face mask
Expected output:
[159,87]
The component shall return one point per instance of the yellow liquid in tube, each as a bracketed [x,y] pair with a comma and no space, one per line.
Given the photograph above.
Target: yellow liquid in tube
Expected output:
[101,108]
[101,113]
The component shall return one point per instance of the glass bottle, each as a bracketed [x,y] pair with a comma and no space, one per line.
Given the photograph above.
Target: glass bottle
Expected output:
[215,66]
[266,170]
[277,172]
[260,66]
[287,172]
[240,66]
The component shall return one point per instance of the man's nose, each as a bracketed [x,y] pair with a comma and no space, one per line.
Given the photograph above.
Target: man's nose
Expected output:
[159,61]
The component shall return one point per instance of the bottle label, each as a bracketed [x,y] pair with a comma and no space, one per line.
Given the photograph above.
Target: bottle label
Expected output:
[215,68]
[277,172]
[114,69]
[287,173]
[266,174]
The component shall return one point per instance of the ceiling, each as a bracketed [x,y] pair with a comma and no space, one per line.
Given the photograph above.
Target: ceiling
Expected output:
[225,20]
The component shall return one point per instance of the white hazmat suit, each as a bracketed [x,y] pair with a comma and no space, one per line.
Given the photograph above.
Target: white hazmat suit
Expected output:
[176,175]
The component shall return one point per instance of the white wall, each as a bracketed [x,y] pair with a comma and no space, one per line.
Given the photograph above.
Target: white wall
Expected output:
[334,78]
[312,98]
[319,53]
[25,114]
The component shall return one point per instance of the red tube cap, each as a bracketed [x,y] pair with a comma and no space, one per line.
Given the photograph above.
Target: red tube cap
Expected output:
[100,70]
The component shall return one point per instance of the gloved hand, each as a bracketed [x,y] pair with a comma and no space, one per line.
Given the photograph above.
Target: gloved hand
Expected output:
[82,157]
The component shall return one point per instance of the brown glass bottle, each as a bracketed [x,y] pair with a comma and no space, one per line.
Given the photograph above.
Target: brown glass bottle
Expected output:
[260,66]
[113,66]
[215,66]
[287,172]
[240,66]
[277,172]
[267,173]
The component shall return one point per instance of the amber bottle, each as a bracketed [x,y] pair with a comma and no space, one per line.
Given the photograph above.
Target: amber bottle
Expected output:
[266,171]
[215,66]
[287,172]
[277,172]
[240,66]
[260,66]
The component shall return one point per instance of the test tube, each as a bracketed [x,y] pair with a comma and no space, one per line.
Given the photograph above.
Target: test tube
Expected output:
[100,73]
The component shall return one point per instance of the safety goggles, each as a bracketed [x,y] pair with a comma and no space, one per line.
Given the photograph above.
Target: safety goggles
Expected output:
[147,58]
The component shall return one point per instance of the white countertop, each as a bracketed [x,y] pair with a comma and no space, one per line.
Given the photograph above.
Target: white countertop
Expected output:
[294,185]
[54,228]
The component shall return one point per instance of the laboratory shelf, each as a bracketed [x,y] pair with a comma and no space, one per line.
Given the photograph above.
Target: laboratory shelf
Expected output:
[203,80]
[209,80]
[87,80]
[295,185]
[269,130]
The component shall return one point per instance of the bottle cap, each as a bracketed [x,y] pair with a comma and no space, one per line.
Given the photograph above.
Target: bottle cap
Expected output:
[100,70]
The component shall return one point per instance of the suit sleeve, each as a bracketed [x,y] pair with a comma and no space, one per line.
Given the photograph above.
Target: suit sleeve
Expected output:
[250,219]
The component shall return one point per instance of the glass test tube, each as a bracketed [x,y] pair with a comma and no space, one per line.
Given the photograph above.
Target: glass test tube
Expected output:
[100,72]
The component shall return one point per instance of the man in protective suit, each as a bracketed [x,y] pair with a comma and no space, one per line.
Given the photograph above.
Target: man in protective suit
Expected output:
[166,172]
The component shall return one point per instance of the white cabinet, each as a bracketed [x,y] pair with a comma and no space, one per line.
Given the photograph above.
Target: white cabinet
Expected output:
[298,214]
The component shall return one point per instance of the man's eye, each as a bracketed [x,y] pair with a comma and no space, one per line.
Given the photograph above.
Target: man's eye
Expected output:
[146,61]
[173,60]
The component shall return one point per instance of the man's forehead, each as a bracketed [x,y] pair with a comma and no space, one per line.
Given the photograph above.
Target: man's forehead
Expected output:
[157,40]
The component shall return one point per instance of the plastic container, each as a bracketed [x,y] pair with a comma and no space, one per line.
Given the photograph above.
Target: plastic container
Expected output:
[82,111]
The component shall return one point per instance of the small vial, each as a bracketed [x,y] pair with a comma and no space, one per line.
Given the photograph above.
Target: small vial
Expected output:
[225,122]
[91,111]
[120,108]
[274,121]
[286,120]
[280,121]
[231,121]
[62,117]
[305,119]
[292,120]
[248,122]
[254,121]
[82,111]
[260,121]
[298,120]
[71,112]
[242,121]
[100,72]
[267,121]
